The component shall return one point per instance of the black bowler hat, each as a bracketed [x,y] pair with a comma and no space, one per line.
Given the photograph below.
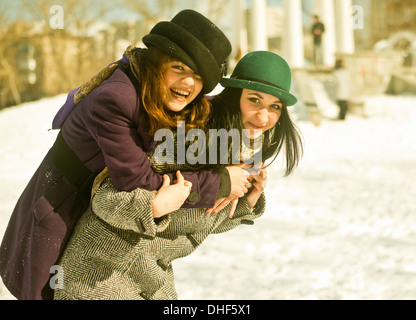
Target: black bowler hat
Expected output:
[196,41]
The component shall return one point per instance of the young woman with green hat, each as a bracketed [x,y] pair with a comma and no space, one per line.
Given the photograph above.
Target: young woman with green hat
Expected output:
[109,256]
[109,122]
[256,97]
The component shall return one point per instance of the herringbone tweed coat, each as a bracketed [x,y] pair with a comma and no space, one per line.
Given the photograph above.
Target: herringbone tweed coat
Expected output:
[118,251]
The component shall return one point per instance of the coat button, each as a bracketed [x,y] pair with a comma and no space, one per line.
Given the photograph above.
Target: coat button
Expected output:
[193,196]
[144,296]
[162,264]
[192,239]
[249,222]
[140,226]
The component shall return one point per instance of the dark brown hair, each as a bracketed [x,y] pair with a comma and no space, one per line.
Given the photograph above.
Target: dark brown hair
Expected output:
[284,136]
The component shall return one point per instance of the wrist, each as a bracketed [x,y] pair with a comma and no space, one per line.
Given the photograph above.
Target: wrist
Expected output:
[225,184]
[156,208]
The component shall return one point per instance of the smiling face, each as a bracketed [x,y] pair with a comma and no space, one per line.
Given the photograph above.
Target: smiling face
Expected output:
[183,85]
[259,111]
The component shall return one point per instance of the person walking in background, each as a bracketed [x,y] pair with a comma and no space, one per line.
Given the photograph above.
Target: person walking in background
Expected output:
[342,88]
[318,28]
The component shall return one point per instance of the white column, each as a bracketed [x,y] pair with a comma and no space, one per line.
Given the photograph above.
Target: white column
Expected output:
[258,25]
[344,26]
[293,48]
[239,28]
[325,10]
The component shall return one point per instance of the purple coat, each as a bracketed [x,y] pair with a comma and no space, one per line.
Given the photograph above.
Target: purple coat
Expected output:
[102,130]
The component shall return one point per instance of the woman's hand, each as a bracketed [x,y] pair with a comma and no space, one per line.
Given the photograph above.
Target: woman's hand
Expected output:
[239,181]
[170,197]
[221,204]
[259,182]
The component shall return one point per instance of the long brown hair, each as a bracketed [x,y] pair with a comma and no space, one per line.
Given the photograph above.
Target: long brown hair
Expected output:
[153,65]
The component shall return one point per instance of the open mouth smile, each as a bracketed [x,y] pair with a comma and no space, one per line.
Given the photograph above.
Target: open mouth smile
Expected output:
[180,94]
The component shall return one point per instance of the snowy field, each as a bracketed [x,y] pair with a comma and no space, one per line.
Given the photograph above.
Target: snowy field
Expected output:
[343,226]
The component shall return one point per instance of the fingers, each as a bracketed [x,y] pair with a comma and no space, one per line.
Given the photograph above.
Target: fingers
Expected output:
[188,184]
[221,206]
[233,207]
[239,192]
[243,165]
[180,177]
[259,185]
[263,174]
[166,180]
[216,204]
[181,180]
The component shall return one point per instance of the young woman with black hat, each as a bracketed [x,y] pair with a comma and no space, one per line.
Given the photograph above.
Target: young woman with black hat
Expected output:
[110,122]
[109,256]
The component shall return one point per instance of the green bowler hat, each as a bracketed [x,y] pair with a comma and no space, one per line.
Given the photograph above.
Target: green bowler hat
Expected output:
[263,71]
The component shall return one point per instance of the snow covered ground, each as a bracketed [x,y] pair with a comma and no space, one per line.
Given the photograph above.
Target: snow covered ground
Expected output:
[343,226]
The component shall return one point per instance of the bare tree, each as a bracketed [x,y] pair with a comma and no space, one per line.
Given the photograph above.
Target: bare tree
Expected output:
[70,56]
[8,79]
[64,57]
[152,11]
[81,18]
[7,72]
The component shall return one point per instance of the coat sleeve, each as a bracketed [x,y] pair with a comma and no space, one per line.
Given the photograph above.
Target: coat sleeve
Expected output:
[127,210]
[242,214]
[115,128]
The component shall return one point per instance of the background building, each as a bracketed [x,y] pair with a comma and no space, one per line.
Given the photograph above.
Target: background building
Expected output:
[37,60]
